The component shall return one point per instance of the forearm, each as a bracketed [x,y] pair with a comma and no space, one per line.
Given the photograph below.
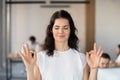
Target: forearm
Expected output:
[86,73]
[93,74]
[33,73]
[30,74]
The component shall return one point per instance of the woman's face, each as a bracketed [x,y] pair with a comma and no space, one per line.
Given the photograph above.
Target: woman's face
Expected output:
[61,30]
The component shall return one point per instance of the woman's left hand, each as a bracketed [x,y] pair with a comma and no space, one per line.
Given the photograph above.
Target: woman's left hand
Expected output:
[93,57]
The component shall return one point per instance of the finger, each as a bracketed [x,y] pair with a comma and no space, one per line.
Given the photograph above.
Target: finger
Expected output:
[23,58]
[87,55]
[35,56]
[99,50]
[24,50]
[32,54]
[88,58]
[27,48]
[95,49]
[91,52]
[22,55]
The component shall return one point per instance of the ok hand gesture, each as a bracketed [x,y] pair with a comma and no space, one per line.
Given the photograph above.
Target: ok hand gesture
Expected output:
[93,57]
[28,57]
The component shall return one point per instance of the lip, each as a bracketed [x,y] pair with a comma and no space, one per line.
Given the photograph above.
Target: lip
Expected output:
[61,36]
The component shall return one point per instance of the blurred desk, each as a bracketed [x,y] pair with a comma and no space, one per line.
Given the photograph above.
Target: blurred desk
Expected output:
[10,59]
[108,74]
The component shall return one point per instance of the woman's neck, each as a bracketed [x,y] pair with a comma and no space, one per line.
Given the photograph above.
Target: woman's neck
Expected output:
[61,46]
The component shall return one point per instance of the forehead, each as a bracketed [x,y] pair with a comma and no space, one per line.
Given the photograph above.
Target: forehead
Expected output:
[61,22]
[104,60]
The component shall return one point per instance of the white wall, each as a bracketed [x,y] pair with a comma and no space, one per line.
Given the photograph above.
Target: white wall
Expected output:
[31,19]
[1,33]
[108,25]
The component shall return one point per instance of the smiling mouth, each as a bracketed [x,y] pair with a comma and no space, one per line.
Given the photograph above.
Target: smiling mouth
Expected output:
[61,36]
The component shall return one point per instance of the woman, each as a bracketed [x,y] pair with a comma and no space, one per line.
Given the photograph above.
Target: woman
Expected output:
[60,58]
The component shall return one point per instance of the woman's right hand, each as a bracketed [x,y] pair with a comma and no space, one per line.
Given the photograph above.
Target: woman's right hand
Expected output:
[29,57]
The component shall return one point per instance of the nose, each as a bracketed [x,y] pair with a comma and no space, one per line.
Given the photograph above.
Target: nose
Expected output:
[61,30]
[105,66]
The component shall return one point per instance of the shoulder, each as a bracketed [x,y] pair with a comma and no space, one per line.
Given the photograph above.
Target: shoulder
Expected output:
[41,54]
[78,52]
[82,56]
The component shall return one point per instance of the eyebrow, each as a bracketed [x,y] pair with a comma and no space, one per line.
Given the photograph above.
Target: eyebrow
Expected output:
[59,26]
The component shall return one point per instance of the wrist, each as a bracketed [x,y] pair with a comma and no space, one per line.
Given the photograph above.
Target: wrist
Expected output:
[94,67]
[93,70]
[30,73]
[29,69]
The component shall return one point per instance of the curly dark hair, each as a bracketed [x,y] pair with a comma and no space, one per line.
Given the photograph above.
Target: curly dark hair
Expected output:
[73,40]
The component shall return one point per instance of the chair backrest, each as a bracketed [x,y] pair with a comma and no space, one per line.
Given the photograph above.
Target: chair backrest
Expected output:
[108,74]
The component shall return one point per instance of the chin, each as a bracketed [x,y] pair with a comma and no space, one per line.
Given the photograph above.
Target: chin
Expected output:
[62,41]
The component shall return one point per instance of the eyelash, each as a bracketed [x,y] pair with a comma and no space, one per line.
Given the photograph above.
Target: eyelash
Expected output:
[58,28]
[65,27]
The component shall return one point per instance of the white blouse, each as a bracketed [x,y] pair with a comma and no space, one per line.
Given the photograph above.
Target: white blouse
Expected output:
[63,65]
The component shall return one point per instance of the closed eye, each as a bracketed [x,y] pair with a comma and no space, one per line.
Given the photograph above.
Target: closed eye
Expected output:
[56,27]
[66,27]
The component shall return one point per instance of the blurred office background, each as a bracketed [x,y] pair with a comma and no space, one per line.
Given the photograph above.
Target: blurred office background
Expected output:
[96,20]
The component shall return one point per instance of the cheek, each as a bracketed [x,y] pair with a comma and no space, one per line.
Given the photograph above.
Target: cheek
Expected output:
[68,34]
[100,64]
[55,35]
[53,32]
